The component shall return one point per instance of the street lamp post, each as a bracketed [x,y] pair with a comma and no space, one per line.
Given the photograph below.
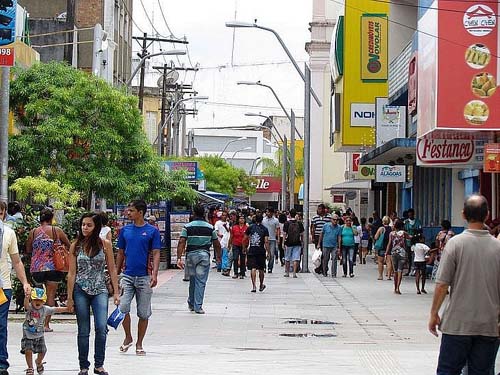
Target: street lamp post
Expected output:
[228,143]
[239,24]
[253,165]
[249,114]
[159,137]
[288,116]
[241,149]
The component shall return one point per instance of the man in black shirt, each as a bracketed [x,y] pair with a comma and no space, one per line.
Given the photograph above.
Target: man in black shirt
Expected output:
[257,241]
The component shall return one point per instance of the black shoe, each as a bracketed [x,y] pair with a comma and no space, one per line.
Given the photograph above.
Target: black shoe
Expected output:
[269,271]
[3,371]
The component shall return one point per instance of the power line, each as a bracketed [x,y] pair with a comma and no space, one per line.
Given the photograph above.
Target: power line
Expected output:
[149,19]
[165,20]
[241,105]
[224,66]
[130,15]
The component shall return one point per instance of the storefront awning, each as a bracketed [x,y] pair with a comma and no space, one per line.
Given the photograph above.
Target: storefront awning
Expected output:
[352,185]
[206,198]
[398,151]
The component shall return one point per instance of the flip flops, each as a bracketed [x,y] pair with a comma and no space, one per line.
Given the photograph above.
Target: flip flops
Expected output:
[140,352]
[125,347]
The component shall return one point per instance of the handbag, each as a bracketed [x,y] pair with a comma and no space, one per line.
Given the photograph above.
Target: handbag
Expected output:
[60,254]
[115,318]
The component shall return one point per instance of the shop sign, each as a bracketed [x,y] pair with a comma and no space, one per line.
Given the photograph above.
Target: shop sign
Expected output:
[338,198]
[266,184]
[7,31]
[362,114]
[390,121]
[387,173]
[190,166]
[374,54]
[450,152]
[492,158]
[462,61]
[366,172]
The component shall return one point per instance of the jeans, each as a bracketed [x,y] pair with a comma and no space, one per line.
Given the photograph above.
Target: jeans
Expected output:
[272,250]
[238,256]
[348,251]
[478,352]
[99,304]
[198,263]
[326,258]
[4,311]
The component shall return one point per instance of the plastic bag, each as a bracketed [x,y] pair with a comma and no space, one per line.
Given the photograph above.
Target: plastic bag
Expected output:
[115,318]
[316,257]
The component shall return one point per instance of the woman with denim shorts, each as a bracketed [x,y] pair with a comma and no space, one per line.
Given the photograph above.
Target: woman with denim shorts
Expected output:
[397,247]
[89,255]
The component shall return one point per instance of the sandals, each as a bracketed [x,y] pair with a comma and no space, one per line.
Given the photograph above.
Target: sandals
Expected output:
[29,371]
[39,367]
[125,347]
[140,352]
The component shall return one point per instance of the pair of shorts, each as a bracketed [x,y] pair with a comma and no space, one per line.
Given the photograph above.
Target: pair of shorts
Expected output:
[34,345]
[420,266]
[398,262]
[381,253]
[256,262]
[51,276]
[140,287]
[292,253]
[364,243]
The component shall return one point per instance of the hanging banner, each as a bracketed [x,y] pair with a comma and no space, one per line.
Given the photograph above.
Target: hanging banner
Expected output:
[492,158]
[7,31]
[374,47]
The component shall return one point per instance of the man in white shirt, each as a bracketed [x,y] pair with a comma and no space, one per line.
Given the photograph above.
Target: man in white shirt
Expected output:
[9,257]
[223,232]
[273,226]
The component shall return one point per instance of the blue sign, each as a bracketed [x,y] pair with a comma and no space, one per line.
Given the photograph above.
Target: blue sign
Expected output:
[7,21]
[190,166]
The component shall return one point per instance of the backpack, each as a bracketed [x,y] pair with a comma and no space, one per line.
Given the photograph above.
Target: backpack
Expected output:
[293,233]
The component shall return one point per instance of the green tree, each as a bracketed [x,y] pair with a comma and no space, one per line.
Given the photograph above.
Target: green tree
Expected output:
[83,133]
[272,167]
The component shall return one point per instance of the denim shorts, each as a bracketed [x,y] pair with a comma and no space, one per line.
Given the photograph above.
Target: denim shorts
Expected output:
[292,253]
[398,262]
[138,286]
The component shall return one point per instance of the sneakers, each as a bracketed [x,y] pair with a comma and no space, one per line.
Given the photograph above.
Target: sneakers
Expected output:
[200,311]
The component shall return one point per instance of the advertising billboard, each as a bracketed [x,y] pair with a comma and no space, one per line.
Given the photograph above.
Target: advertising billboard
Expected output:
[459,67]
[365,47]
[7,31]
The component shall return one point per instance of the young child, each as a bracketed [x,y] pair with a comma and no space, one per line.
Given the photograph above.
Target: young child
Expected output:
[33,340]
[420,249]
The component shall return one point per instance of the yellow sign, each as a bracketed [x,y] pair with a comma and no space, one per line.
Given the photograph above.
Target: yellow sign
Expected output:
[357,121]
[374,47]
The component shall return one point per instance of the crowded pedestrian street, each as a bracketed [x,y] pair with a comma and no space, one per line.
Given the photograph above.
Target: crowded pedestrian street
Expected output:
[362,328]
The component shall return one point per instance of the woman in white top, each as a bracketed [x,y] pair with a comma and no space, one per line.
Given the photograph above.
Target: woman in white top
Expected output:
[105,233]
[420,249]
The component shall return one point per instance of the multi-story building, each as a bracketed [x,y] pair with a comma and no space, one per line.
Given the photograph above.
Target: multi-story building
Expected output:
[63,30]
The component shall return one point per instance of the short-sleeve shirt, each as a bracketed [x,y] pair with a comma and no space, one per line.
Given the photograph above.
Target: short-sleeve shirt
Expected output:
[238,234]
[199,235]
[223,228]
[257,234]
[137,242]
[347,236]
[33,326]
[272,225]
[9,248]
[319,221]
[420,249]
[471,266]
[330,234]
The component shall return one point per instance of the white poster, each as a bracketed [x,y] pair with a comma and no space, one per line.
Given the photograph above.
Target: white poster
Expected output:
[362,114]
[387,173]
[390,121]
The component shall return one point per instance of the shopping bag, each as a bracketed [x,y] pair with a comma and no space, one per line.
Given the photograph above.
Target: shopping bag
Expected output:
[316,257]
[3,297]
[115,318]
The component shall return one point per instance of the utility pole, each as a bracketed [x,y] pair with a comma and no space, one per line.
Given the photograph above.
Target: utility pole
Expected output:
[4,133]
[284,159]
[163,109]
[144,52]
[292,160]
[307,163]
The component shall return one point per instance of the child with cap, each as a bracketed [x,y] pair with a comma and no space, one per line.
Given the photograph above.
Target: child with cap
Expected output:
[33,340]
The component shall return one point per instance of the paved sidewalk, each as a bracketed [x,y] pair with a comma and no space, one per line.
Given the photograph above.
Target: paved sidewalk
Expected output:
[375,331]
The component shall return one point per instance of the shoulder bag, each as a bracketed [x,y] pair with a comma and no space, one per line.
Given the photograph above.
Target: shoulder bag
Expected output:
[60,253]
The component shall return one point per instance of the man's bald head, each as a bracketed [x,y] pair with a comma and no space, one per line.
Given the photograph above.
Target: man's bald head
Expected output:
[476,209]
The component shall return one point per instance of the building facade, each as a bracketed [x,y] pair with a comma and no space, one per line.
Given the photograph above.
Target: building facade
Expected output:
[63,30]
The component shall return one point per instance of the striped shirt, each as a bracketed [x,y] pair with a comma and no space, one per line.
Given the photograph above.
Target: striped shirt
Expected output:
[319,221]
[199,235]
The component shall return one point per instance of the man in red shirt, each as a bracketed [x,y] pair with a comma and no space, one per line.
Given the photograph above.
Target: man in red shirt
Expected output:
[236,242]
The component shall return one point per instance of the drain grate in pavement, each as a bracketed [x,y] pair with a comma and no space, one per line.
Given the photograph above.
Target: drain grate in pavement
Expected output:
[308,321]
[321,335]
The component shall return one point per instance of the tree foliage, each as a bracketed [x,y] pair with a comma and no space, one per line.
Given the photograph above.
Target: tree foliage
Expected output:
[272,167]
[83,133]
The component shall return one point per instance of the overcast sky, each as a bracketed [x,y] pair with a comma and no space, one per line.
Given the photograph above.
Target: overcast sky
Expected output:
[210,45]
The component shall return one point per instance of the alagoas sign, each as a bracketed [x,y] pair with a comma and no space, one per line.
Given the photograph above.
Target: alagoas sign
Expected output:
[445,151]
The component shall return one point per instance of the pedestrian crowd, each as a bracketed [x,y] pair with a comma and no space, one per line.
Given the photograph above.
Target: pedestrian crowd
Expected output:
[466,268]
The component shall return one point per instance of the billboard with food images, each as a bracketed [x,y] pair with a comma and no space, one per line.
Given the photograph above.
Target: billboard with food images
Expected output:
[459,66]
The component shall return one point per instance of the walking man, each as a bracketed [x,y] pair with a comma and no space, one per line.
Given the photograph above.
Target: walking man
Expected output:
[257,240]
[195,241]
[294,238]
[330,239]
[273,226]
[9,253]
[137,242]
[470,268]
